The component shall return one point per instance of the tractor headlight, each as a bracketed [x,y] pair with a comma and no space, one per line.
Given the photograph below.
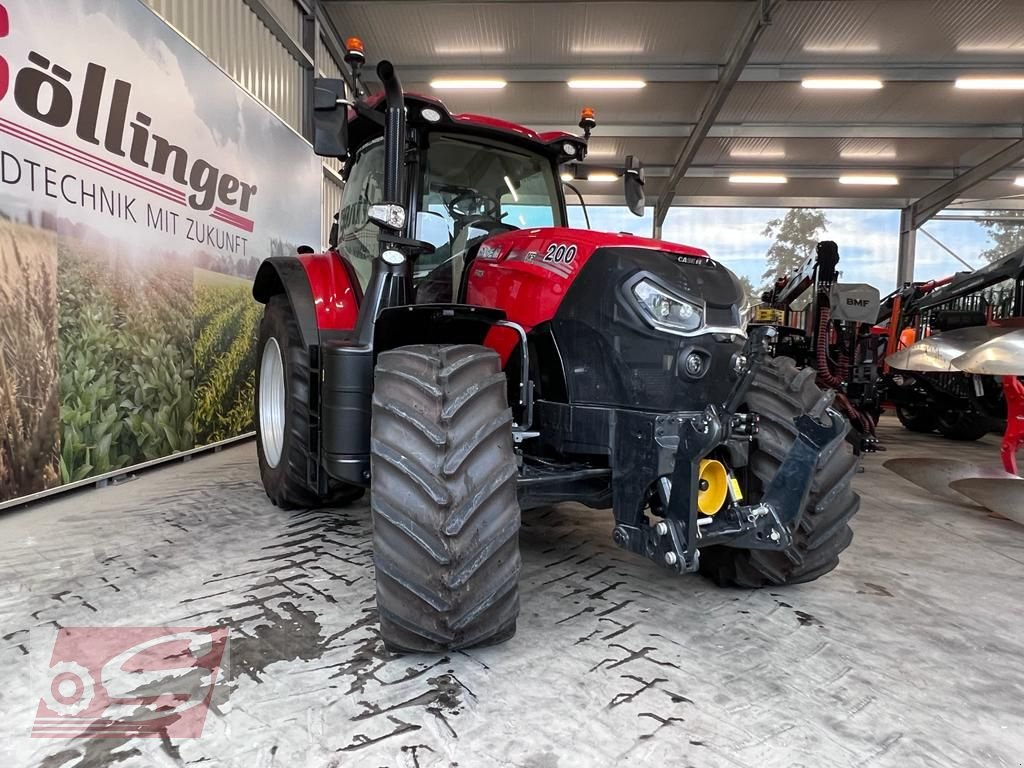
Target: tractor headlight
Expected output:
[664,310]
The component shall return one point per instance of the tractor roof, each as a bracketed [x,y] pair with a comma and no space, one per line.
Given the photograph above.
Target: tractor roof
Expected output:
[558,144]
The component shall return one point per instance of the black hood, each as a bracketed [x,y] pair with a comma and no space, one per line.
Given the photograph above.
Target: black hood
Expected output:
[612,356]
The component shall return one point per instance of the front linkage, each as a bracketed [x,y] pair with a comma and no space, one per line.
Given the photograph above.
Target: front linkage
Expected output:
[667,450]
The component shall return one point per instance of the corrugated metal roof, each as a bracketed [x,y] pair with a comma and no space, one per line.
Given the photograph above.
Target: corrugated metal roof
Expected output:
[416,32]
[904,39]
[878,31]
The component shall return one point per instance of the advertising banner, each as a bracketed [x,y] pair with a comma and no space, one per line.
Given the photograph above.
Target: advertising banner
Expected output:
[140,188]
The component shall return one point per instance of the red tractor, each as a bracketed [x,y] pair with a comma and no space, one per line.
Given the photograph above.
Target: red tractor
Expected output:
[464,349]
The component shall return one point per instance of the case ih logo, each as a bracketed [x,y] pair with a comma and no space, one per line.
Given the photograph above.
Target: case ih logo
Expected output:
[53,95]
[113,682]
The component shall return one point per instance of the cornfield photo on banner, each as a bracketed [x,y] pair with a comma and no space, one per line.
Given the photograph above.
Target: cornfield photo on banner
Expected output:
[29,405]
[226,319]
[125,354]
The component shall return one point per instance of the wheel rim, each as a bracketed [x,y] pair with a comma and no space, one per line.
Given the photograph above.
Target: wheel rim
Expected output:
[272,402]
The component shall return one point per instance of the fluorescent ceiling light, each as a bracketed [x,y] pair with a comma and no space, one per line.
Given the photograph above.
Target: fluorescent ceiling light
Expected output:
[468,50]
[567,177]
[887,153]
[990,83]
[1019,181]
[872,180]
[606,84]
[757,178]
[596,50]
[508,183]
[758,153]
[842,83]
[602,177]
[990,47]
[463,84]
[840,48]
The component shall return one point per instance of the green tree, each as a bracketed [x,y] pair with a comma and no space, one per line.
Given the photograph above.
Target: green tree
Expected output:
[753,295]
[795,236]
[1005,236]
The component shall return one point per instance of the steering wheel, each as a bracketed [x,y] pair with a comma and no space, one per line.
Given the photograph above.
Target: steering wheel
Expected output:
[473,204]
[490,227]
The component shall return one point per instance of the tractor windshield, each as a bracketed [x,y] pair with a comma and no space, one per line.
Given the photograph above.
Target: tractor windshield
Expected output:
[475,184]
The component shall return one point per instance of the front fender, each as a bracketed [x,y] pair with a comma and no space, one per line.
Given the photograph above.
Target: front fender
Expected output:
[321,289]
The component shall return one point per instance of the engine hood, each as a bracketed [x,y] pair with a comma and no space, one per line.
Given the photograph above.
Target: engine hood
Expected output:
[587,241]
[528,272]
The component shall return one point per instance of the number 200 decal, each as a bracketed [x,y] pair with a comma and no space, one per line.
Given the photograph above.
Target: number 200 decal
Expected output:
[560,253]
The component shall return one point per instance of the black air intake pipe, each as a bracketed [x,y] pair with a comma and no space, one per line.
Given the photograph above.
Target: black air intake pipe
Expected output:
[388,281]
[394,134]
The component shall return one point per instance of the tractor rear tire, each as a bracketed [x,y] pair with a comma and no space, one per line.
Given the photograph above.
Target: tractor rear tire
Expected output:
[282,415]
[917,418]
[445,515]
[966,426]
[781,392]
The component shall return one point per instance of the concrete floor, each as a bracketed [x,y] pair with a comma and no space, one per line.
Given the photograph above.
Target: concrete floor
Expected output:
[910,654]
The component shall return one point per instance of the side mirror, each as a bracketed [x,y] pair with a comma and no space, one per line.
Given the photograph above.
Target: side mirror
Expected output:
[330,118]
[633,179]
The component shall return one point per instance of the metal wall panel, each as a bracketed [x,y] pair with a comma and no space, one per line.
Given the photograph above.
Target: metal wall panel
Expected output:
[235,39]
[289,14]
[331,203]
[325,63]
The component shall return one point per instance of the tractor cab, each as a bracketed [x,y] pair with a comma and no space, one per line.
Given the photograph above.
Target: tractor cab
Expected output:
[463,185]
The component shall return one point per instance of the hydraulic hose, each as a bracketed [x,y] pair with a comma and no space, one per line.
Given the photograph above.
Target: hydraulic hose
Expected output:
[861,420]
[825,375]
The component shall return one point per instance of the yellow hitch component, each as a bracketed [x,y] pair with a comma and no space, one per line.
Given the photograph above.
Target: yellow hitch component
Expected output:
[713,484]
[735,492]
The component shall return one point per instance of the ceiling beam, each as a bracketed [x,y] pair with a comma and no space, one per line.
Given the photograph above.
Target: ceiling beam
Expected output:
[802,130]
[922,210]
[751,33]
[697,73]
[329,3]
[720,171]
[595,197]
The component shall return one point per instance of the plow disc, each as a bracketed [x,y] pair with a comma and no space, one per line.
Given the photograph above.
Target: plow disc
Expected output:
[1002,495]
[940,476]
[936,354]
[1001,356]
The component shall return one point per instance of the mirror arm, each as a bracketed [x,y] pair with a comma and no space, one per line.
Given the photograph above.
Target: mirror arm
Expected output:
[583,203]
[373,115]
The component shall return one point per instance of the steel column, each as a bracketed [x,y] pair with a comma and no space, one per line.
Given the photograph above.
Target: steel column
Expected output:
[755,25]
[908,246]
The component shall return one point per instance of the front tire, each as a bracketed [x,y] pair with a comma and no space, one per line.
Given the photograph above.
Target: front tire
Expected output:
[282,415]
[781,391]
[445,515]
